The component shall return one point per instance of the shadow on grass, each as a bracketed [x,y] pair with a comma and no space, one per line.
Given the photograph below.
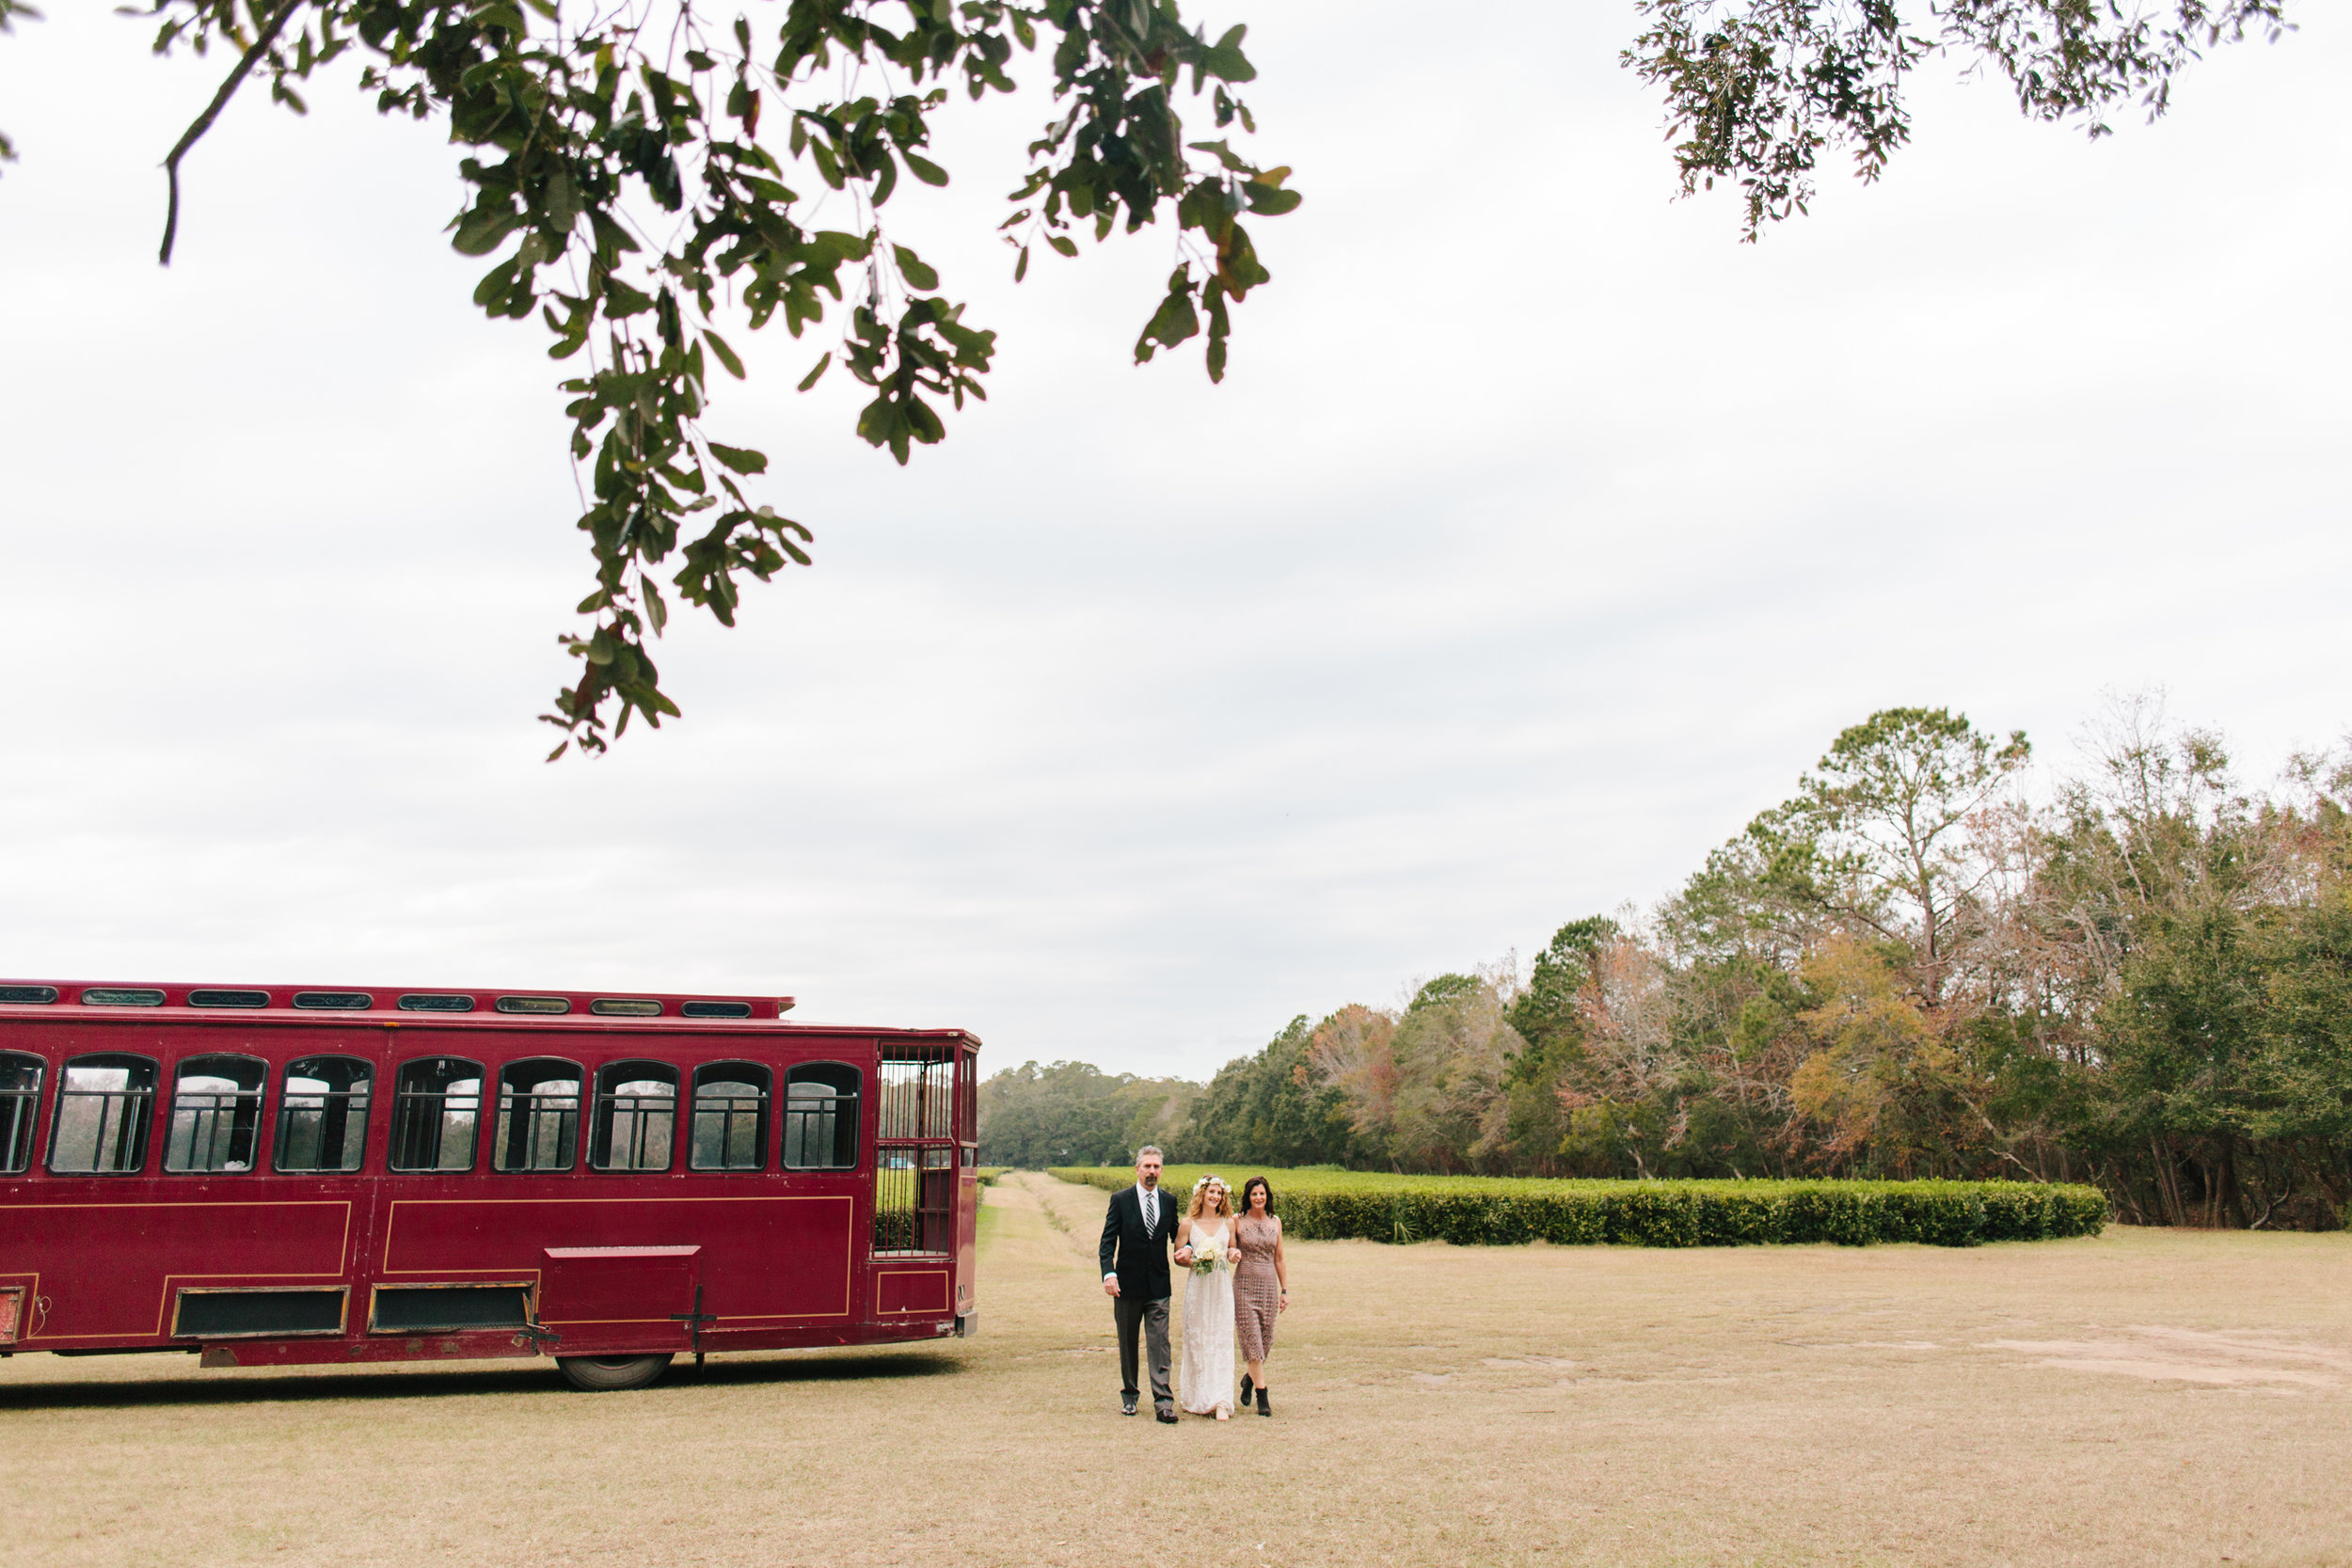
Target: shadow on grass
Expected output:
[401,1383]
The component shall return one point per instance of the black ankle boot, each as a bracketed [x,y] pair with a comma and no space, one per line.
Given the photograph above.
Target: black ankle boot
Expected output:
[1264,1407]
[1245,1388]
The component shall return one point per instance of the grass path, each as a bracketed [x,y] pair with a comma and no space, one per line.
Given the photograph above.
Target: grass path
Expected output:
[2148,1397]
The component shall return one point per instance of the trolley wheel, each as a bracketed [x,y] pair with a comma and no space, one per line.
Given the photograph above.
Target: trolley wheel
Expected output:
[599,1373]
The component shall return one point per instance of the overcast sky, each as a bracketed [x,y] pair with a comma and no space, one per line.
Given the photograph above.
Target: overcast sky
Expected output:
[1541,534]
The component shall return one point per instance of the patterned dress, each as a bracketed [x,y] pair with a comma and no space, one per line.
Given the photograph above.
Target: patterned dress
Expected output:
[1257,1288]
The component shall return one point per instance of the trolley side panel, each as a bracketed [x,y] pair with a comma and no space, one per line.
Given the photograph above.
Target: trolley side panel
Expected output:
[107,1271]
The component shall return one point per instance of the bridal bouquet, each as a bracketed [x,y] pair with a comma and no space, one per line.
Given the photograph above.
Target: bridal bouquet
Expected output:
[1208,1261]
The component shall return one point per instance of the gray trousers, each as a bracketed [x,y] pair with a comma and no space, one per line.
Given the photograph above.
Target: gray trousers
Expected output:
[1151,1317]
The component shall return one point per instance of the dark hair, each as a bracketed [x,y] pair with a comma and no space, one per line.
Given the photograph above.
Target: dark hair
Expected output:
[1255,1181]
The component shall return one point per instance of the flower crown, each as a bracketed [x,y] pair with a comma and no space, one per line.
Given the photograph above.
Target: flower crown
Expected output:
[1212,1180]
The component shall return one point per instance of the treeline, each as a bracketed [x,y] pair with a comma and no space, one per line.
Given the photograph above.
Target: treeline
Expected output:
[1071,1114]
[1907,968]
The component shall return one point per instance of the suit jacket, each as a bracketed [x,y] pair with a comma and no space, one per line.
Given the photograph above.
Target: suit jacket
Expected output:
[1139,1261]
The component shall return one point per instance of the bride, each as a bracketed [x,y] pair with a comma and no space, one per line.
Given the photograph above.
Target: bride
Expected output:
[1207,1246]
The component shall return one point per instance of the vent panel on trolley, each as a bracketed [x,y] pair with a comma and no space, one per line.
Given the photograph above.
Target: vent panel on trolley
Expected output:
[448,1308]
[237,1314]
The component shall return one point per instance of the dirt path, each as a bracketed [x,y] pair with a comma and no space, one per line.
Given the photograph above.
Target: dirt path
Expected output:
[2147,1398]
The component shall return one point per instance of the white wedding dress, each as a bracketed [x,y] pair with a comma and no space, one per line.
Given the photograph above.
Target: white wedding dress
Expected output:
[1206,1385]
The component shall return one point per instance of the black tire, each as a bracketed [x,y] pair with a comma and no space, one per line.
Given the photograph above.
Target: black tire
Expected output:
[604,1373]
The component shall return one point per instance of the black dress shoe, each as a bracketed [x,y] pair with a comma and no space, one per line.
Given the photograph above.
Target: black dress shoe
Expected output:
[1166,1414]
[1244,1387]
[1265,1406]
[1127,1406]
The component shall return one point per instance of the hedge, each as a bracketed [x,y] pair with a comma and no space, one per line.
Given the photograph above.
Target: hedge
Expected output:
[988,1174]
[1320,1205]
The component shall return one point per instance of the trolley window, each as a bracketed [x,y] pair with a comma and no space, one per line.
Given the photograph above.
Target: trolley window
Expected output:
[917,1093]
[968,1102]
[103,1113]
[436,1112]
[635,1116]
[216,1114]
[335,1001]
[914,1166]
[820,1117]
[730,1116]
[427,1002]
[322,1114]
[122,996]
[19,1105]
[914,1199]
[228,999]
[538,1125]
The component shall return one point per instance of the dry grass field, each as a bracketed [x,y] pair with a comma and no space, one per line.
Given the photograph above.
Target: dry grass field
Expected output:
[2146,1398]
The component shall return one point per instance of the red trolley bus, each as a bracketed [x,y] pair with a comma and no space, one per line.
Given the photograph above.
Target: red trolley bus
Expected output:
[271,1175]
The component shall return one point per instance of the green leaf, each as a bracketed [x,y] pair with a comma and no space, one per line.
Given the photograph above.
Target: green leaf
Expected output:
[741,459]
[1267,200]
[562,201]
[481,230]
[620,300]
[726,355]
[912,268]
[923,168]
[495,284]
[1220,328]
[611,237]
[1225,60]
[832,245]
[1063,243]
[1174,320]
[810,379]
[1232,161]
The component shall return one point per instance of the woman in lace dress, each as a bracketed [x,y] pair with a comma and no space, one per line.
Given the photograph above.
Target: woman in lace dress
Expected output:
[1205,1249]
[1261,1283]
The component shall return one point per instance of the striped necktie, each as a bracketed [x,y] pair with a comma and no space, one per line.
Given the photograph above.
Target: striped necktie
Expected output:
[1151,1213]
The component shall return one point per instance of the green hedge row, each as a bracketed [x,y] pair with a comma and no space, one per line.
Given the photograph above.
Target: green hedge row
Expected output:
[988,1174]
[1491,1212]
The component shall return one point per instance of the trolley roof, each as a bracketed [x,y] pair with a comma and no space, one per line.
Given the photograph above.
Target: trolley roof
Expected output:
[477,1007]
[403,1004]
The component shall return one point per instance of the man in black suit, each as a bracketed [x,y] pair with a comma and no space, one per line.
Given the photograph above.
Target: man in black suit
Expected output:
[1136,1236]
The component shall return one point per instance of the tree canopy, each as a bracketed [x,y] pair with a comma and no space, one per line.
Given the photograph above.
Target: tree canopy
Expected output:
[1757,89]
[631,175]
[636,175]
[1072,1114]
[2142,979]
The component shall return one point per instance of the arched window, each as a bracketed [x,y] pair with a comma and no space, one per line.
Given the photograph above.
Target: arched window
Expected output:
[730,1116]
[820,1117]
[20,1107]
[436,1112]
[322,1114]
[103,1113]
[635,1116]
[216,1114]
[538,1125]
